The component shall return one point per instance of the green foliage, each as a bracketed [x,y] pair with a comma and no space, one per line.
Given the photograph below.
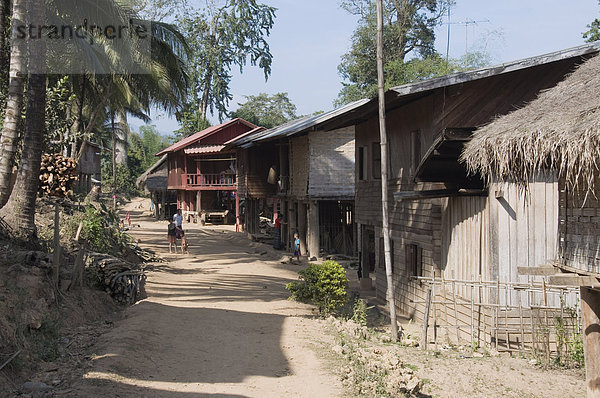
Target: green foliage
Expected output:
[359,312]
[45,340]
[408,30]
[226,34]
[59,117]
[576,349]
[190,120]
[100,230]
[266,111]
[324,285]
[593,32]
[409,55]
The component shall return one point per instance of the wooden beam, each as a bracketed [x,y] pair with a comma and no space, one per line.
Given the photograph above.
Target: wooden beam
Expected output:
[573,280]
[537,271]
[437,193]
[590,307]
[568,268]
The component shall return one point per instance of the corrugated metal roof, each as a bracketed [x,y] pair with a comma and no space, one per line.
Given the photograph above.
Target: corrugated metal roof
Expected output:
[296,126]
[202,134]
[198,148]
[462,77]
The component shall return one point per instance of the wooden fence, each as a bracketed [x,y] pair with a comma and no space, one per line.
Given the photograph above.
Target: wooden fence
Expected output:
[508,316]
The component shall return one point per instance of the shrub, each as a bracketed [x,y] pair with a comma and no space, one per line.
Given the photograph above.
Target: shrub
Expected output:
[324,285]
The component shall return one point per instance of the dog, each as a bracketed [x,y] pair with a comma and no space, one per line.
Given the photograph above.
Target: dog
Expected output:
[185,247]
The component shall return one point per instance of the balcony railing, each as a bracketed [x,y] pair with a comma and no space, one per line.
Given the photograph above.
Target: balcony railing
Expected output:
[208,180]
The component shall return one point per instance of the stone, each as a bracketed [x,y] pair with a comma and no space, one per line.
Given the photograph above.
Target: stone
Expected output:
[32,387]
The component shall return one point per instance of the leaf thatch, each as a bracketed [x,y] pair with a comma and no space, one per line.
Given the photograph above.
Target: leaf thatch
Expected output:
[560,130]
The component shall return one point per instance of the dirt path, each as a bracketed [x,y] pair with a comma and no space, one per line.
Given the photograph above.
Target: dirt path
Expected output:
[216,322]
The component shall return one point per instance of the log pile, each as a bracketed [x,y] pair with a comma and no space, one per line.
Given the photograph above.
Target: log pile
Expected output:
[57,175]
[123,280]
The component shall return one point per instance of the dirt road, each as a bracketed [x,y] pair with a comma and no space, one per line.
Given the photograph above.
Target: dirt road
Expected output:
[216,322]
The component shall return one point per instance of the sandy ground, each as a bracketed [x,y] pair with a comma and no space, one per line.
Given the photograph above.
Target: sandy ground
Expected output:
[216,322]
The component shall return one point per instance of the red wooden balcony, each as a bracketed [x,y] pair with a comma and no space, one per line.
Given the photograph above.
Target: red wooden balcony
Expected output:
[209,181]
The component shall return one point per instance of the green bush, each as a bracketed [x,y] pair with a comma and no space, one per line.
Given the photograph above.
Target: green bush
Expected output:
[100,230]
[324,285]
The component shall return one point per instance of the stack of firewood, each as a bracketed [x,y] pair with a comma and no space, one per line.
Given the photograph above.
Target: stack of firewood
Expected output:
[123,280]
[57,175]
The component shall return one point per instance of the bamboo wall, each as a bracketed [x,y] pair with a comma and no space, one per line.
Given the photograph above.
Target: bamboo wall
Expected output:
[299,166]
[331,156]
[579,220]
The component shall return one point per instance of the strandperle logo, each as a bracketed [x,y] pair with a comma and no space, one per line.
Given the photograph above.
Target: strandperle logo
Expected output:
[85,30]
[85,37]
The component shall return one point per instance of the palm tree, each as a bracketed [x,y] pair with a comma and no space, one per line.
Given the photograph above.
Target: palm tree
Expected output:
[21,204]
[14,102]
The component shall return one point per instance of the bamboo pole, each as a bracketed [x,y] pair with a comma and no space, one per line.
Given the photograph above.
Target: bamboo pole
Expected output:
[56,254]
[455,312]
[433,313]
[384,173]
[497,312]
[426,320]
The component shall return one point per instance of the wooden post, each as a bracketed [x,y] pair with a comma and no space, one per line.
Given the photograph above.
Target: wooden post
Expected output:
[199,205]
[56,255]
[497,312]
[302,226]
[237,212]
[426,319]
[384,173]
[455,312]
[313,229]
[590,306]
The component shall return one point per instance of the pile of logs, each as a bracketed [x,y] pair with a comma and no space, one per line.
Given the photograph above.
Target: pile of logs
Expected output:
[57,175]
[123,280]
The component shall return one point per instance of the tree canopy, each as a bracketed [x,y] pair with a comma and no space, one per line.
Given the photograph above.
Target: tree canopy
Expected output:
[265,110]
[409,53]
[223,35]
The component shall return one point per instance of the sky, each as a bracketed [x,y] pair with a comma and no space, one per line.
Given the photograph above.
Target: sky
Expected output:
[310,36]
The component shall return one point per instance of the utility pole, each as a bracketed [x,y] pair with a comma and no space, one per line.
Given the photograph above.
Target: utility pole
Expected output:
[384,173]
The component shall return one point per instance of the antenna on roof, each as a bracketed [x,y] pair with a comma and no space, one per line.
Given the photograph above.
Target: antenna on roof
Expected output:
[467,22]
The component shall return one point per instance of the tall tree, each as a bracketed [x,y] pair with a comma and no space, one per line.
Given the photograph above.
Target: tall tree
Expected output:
[226,34]
[14,102]
[266,111]
[21,204]
[408,29]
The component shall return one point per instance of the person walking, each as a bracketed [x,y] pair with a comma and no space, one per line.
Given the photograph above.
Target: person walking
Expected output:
[179,233]
[297,246]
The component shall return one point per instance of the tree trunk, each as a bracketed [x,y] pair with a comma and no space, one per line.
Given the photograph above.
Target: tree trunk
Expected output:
[204,101]
[4,55]
[14,102]
[122,133]
[114,152]
[22,200]
[77,128]
[384,174]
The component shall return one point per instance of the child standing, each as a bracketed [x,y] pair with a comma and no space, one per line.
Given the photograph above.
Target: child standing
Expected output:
[171,234]
[297,246]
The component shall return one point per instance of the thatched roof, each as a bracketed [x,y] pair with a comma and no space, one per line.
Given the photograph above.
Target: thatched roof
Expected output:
[560,130]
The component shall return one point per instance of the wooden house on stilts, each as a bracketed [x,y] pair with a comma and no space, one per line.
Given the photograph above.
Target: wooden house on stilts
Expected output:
[311,169]
[557,136]
[203,173]
[457,241]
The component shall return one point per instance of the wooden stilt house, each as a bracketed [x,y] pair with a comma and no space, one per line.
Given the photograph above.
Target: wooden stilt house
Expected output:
[455,240]
[557,134]
[204,173]
[313,185]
